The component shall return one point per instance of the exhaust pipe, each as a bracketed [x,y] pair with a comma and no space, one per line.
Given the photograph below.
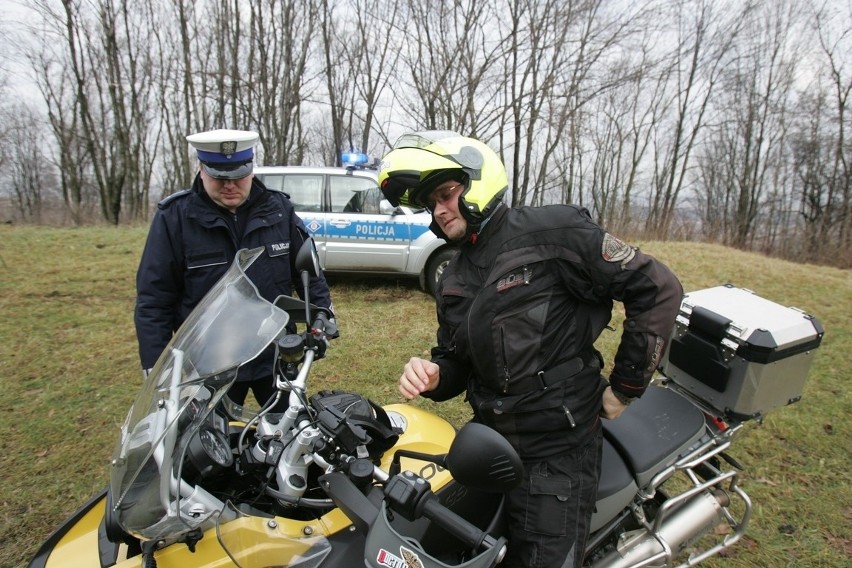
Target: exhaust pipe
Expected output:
[690,521]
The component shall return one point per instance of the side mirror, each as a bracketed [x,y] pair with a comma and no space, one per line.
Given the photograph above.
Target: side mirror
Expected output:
[385,208]
[480,457]
[308,259]
[307,263]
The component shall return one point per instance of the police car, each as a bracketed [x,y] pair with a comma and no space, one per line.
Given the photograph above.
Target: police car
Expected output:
[356,230]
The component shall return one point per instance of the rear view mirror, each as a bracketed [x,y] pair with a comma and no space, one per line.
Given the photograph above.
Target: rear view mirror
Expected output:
[479,458]
[482,458]
[308,259]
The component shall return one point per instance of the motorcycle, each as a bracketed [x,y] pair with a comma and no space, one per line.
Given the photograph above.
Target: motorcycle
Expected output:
[337,480]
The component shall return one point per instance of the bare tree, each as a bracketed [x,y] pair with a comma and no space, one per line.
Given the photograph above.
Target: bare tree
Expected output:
[56,85]
[748,145]
[108,174]
[555,52]
[622,125]
[448,55]
[357,54]
[622,108]
[835,45]
[24,162]
[226,65]
[341,64]
[5,111]
[281,75]
[707,32]
[375,55]
[181,112]
[537,51]
[810,144]
[821,157]
[107,113]
[128,31]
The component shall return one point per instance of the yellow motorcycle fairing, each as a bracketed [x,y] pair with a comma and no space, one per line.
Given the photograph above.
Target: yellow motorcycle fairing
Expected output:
[256,542]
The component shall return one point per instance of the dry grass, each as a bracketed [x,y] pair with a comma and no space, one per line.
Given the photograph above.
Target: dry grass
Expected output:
[69,372]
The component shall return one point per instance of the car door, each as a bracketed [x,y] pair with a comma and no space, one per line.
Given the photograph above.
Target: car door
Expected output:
[359,237]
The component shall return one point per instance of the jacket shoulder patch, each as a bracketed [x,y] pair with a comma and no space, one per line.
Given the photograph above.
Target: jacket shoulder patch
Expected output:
[614,249]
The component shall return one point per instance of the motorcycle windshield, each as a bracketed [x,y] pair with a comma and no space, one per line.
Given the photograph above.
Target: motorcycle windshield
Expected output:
[231,326]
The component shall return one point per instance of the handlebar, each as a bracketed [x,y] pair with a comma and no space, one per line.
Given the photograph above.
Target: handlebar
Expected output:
[383,541]
[325,324]
[411,496]
[468,533]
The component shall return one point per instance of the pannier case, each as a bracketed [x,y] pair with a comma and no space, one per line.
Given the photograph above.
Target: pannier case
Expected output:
[741,354]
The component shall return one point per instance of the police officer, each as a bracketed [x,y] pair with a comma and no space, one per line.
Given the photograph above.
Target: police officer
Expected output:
[194,237]
[519,309]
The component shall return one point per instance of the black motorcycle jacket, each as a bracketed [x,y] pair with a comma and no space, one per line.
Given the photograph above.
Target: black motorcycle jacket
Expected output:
[519,310]
[192,243]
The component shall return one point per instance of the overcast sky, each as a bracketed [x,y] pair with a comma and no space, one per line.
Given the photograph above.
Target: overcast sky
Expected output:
[16,74]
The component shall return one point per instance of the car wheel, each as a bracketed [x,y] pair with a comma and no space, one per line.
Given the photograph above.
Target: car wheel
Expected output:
[436,266]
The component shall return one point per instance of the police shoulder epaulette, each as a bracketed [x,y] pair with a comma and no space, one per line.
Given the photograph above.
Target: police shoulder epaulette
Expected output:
[165,202]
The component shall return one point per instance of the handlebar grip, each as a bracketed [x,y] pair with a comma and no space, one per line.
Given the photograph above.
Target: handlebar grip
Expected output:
[326,325]
[457,526]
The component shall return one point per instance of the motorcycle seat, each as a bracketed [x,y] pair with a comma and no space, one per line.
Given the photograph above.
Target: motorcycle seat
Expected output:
[653,431]
[616,487]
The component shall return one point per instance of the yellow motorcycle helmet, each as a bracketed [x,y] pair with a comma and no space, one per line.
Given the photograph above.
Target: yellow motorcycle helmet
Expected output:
[421,161]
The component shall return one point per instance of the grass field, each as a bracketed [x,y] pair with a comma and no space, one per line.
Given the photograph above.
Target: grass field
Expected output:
[69,371]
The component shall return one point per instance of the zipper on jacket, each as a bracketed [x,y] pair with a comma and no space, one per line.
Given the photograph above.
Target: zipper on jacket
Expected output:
[569,416]
[506,375]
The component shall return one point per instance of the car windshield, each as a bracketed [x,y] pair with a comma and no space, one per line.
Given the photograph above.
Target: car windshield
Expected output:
[232,325]
[351,194]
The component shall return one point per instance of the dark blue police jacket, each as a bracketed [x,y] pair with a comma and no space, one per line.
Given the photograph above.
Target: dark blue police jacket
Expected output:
[192,243]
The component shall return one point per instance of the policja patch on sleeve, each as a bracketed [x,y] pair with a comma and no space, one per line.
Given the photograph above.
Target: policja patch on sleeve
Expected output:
[614,249]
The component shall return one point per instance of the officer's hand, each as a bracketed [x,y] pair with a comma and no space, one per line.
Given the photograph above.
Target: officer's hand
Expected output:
[612,407]
[418,375]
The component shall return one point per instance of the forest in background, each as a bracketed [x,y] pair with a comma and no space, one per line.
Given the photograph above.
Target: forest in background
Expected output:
[716,120]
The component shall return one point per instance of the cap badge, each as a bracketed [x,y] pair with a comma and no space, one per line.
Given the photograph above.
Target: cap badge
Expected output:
[228,148]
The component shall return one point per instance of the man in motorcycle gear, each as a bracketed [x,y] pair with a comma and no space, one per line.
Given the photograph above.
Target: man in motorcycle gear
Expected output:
[194,237]
[519,309]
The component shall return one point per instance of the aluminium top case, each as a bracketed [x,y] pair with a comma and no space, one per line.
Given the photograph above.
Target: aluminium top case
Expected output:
[738,353]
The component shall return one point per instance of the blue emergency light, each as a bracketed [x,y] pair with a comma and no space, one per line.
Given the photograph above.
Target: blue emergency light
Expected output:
[354,158]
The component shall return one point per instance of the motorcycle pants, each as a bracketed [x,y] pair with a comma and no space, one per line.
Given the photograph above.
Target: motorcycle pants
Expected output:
[550,512]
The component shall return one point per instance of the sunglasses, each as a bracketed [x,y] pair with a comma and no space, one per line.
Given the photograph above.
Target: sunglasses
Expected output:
[443,196]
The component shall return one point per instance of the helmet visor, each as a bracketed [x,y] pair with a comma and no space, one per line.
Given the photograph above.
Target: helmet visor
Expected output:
[417,172]
[395,187]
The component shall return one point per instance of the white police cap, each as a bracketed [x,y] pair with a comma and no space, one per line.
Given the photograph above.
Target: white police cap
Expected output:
[225,154]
